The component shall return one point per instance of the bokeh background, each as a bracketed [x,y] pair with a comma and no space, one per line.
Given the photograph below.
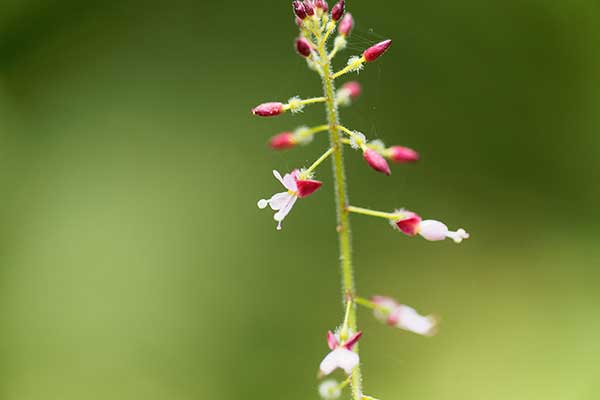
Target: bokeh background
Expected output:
[134,263]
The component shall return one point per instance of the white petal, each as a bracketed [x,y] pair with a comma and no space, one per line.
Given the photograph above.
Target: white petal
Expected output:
[411,321]
[285,210]
[290,182]
[279,200]
[433,230]
[262,203]
[339,358]
[278,176]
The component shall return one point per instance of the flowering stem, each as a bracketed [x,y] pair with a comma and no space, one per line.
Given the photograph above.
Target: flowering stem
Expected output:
[349,68]
[373,213]
[314,165]
[343,220]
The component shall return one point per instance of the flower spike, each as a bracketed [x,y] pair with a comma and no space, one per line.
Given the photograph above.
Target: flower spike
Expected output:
[373,52]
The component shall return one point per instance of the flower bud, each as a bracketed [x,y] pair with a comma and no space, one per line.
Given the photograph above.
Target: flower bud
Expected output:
[330,390]
[284,140]
[376,161]
[373,52]
[303,47]
[354,89]
[322,4]
[298,22]
[338,10]
[346,25]
[299,9]
[306,187]
[401,154]
[309,8]
[410,224]
[268,109]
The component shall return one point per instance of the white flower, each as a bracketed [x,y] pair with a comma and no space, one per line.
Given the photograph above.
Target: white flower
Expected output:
[408,319]
[339,358]
[436,230]
[284,201]
[329,389]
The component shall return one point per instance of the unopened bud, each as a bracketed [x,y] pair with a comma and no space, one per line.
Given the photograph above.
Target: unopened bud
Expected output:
[354,89]
[346,25]
[376,161]
[401,154]
[303,47]
[322,4]
[309,8]
[283,140]
[373,52]
[299,9]
[268,109]
[338,10]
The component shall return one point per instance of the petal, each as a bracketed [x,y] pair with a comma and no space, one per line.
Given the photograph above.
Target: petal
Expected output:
[433,230]
[278,177]
[285,210]
[349,344]
[290,182]
[410,320]
[332,340]
[339,358]
[279,200]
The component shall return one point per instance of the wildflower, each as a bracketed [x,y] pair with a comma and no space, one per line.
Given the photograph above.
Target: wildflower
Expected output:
[330,389]
[402,316]
[411,224]
[268,109]
[346,25]
[401,154]
[341,355]
[284,201]
[373,52]
[376,161]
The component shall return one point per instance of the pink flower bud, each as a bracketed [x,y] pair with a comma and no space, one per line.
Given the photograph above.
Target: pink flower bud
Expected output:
[373,52]
[338,10]
[354,89]
[401,154]
[284,140]
[303,47]
[306,187]
[322,4]
[299,9]
[410,224]
[309,8]
[268,109]
[376,161]
[346,25]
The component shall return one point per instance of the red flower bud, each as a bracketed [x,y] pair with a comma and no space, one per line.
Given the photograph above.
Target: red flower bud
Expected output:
[353,88]
[268,109]
[338,10]
[284,140]
[322,4]
[299,9]
[346,25]
[309,8]
[373,52]
[306,187]
[401,154]
[410,224]
[376,161]
[303,47]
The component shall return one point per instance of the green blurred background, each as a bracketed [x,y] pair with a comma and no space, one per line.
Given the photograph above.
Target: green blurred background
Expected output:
[134,263]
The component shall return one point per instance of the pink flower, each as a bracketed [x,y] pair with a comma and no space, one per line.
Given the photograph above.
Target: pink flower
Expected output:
[402,316]
[284,201]
[303,47]
[411,224]
[341,355]
[402,154]
[268,109]
[373,52]
[338,10]
[283,140]
[346,25]
[353,88]
[376,161]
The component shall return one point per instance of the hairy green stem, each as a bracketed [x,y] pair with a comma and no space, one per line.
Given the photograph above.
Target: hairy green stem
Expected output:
[343,221]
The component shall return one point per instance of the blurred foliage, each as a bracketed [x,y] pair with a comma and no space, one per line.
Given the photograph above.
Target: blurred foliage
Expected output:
[134,263]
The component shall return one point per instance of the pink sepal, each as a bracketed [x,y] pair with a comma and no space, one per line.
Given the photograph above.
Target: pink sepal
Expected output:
[332,341]
[376,161]
[283,140]
[307,187]
[268,109]
[373,52]
[401,154]
[410,224]
[349,344]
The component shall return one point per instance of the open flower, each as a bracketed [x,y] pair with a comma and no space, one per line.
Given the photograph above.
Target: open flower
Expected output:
[284,201]
[402,316]
[411,224]
[341,354]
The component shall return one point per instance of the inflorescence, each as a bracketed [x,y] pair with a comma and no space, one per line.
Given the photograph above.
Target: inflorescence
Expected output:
[316,24]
